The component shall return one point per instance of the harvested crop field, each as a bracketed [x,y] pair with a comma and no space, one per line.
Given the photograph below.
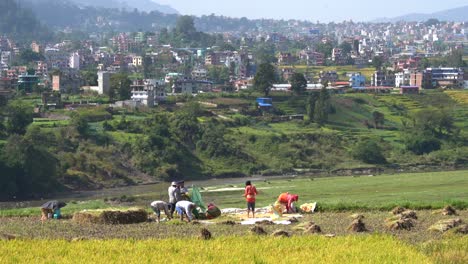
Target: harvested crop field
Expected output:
[330,223]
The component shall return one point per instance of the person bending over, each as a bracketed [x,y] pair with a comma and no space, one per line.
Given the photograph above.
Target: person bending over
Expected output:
[159,206]
[185,208]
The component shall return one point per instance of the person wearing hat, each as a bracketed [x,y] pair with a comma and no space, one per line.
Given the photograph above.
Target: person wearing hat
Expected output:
[174,193]
[184,193]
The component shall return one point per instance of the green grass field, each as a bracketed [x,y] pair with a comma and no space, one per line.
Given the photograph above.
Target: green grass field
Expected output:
[383,192]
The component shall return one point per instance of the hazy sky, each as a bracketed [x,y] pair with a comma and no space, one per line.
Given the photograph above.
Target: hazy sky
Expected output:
[323,10]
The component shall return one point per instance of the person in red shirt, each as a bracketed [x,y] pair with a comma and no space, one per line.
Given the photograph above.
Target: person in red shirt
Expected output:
[250,192]
[287,200]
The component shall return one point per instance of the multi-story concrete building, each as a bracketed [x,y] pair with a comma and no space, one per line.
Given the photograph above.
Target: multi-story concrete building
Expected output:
[137,61]
[74,61]
[402,78]
[443,77]
[383,78]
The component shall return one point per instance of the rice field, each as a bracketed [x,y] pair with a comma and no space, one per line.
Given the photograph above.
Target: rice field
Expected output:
[307,249]
[459,96]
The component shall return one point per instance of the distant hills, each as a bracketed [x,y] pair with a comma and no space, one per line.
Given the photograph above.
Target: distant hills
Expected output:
[459,14]
[128,5]
[142,5]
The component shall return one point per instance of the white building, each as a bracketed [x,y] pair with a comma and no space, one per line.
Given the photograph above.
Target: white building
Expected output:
[148,92]
[103,83]
[137,61]
[402,78]
[74,61]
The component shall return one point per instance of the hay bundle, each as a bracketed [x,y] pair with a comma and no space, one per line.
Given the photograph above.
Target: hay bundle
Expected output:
[258,230]
[265,222]
[357,216]
[281,233]
[463,229]
[401,224]
[205,234]
[398,210]
[293,220]
[228,222]
[357,226]
[313,229]
[77,239]
[445,225]
[449,210]
[408,214]
[113,217]
[124,217]
[7,237]
[86,218]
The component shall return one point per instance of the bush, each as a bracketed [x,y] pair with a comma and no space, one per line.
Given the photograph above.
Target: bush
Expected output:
[420,144]
[369,151]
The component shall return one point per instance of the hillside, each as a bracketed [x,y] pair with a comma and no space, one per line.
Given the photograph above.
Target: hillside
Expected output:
[226,136]
[459,14]
[20,22]
[142,5]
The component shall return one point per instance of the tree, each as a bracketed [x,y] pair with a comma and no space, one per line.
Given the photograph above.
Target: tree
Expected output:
[80,123]
[377,62]
[20,116]
[265,78]
[435,122]
[322,107]
[120,86]
[368,151]
[422,144]
[310,105]
[346,47]
[378,119]
[298,83]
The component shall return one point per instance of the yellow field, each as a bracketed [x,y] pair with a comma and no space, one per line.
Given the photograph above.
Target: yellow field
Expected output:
[459,96]
[250,249]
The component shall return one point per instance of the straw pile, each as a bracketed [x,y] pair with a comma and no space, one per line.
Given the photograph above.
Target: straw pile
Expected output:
[112,217]
[449,210]
[281,233]
[463,229]
[398,210]
[405,220]
[258,230]
[444,225]
[205,234]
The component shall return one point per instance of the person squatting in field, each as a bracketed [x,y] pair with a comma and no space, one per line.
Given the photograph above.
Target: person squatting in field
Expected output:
[250,193]
[158,206]
[51,209]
